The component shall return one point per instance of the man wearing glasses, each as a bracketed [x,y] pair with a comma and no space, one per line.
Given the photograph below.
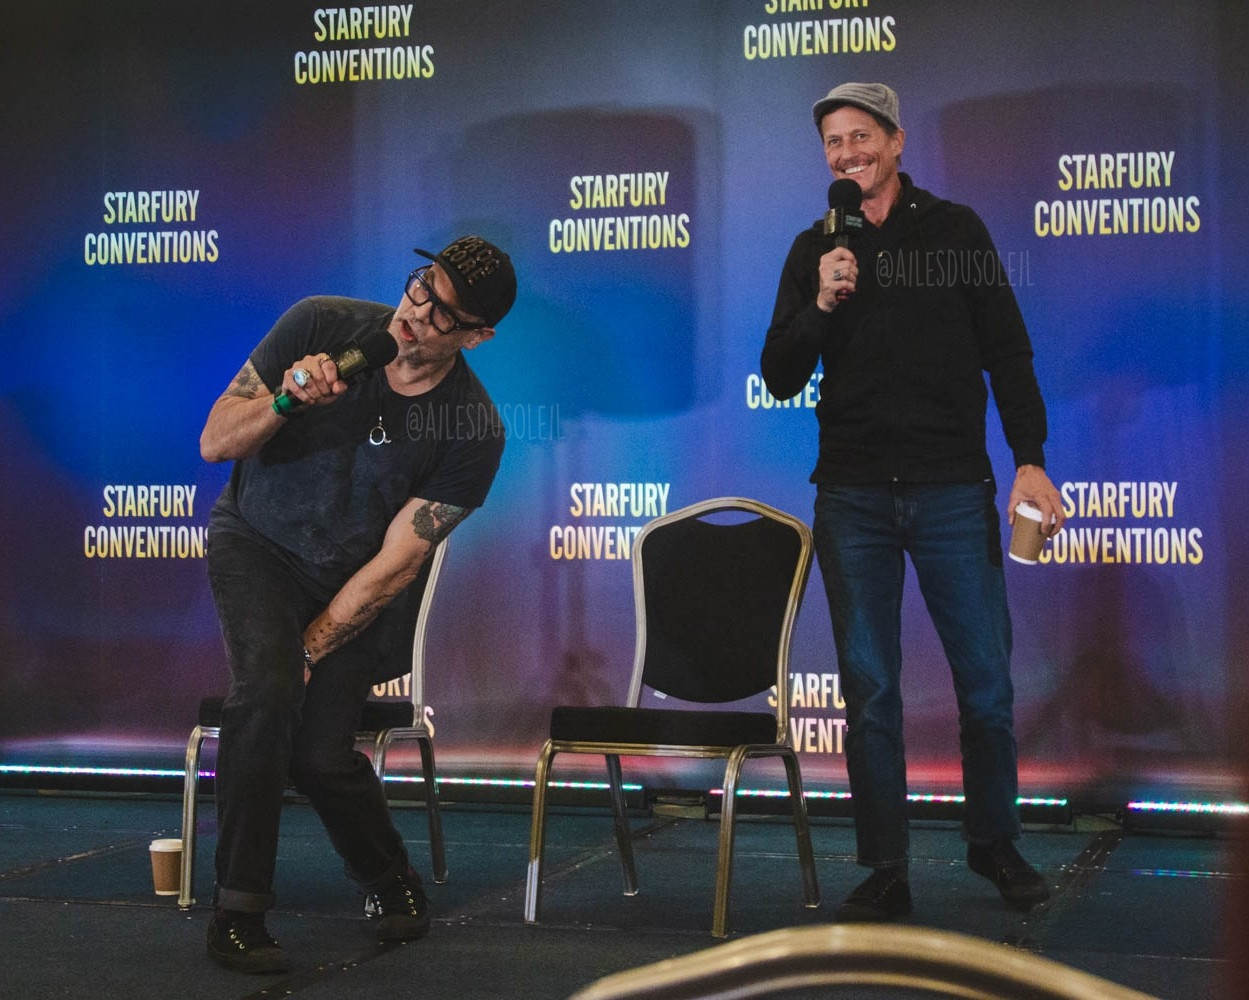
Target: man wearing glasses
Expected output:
[336,498]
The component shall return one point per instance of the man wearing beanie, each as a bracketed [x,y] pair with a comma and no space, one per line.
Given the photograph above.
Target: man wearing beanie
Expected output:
[906,321]
[360,438]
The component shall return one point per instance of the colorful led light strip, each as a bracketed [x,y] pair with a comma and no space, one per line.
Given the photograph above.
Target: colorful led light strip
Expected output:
[517,783]
[1206,808]
[149,772]
[770,793]
[1198,808]
[105,772]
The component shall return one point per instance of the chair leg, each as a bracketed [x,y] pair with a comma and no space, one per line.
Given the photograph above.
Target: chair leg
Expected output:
[624,837]
[190,789]
[537,834]
[437,850]
[381,743]
[802,831]
[724,856]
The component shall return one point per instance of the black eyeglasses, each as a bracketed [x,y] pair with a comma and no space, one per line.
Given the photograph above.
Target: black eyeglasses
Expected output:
[441,315]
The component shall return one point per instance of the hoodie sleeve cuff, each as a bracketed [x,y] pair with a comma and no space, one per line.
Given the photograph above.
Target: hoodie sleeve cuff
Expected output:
[1029,455]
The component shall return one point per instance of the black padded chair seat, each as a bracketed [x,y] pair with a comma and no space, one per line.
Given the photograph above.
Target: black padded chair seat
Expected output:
[615,724]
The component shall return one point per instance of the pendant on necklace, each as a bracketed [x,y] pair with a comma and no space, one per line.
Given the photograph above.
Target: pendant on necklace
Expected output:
[378,434]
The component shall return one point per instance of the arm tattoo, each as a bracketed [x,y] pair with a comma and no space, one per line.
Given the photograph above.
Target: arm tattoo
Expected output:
[246,383]
[434,521]
[330,635]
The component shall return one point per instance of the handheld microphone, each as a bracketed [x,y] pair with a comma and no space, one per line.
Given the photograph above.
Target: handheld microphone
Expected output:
[843,219]
[357,356]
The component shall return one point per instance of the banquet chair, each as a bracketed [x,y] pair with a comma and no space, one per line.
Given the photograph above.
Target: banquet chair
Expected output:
[930,962]
[382,723]
[715,601]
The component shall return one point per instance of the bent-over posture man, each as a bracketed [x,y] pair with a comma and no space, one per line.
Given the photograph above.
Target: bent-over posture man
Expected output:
[340,489]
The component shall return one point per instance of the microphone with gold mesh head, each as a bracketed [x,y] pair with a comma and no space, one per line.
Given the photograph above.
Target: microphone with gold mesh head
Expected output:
[364,355]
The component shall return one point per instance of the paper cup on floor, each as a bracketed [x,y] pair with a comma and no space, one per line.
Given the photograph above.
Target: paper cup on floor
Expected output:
[1027,539]
[166,865]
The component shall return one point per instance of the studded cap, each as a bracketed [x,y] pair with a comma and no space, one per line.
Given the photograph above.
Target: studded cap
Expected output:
[482,274]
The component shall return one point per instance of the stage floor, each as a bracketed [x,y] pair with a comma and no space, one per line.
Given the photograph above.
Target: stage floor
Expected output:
[78,917]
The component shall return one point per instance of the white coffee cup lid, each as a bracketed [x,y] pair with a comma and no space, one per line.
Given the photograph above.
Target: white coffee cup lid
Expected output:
[167,844]
[1027,510]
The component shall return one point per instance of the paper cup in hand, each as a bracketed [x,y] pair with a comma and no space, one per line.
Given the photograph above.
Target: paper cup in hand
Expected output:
[166,865]
[1027,540]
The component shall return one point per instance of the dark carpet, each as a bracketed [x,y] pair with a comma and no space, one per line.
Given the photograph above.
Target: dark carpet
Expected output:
[78,917]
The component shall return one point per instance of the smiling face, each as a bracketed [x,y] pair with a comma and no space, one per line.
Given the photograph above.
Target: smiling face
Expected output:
[859,147]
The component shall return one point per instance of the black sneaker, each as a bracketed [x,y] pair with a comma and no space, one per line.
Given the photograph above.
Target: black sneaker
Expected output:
[239,941]
[400,909]
[1019,883]
[883,895]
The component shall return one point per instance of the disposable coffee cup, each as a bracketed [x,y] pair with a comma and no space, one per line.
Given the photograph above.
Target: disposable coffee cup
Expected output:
[1027,539]
[166,865]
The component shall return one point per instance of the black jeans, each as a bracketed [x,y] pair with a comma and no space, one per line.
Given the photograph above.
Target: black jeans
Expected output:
[275,730]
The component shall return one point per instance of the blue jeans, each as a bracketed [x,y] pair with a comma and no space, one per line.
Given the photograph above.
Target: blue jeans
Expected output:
[276,731]
[952,534]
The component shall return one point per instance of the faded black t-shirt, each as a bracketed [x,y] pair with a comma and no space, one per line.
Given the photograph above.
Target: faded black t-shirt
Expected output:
[319,490]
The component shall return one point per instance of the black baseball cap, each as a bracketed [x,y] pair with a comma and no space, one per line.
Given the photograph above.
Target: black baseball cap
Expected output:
[482,274]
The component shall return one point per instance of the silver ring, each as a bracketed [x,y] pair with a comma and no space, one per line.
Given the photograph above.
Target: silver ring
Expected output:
[300,376]
[836,277]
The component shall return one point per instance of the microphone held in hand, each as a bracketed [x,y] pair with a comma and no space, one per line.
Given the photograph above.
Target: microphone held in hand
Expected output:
[843,219]
[357,356]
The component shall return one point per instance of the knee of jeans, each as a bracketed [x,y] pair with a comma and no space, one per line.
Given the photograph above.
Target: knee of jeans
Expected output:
[879,715]
[307,774]
[313,762]
[268,701]
[988,712]
[871,699]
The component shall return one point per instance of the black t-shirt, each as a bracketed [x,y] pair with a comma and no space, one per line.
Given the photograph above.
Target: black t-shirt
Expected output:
[320,489]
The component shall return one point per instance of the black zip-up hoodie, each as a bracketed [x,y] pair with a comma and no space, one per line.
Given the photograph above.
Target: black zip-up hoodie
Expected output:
[903,394]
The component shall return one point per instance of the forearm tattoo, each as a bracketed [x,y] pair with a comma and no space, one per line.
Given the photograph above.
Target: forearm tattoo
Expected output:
[431,522]
[247,383]
[434,521]
[326,634]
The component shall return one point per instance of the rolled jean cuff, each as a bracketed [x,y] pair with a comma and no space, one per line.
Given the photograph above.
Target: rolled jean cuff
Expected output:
[243,902]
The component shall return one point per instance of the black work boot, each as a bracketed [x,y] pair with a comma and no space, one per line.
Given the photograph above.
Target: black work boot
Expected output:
[400,908]
[1021,885]
[239,941]
[883,895]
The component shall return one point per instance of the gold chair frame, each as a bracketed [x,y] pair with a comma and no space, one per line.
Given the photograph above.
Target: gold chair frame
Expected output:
[939,962]
[735,756]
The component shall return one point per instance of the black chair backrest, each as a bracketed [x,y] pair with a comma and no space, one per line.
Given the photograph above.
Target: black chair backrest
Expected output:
[715,598]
